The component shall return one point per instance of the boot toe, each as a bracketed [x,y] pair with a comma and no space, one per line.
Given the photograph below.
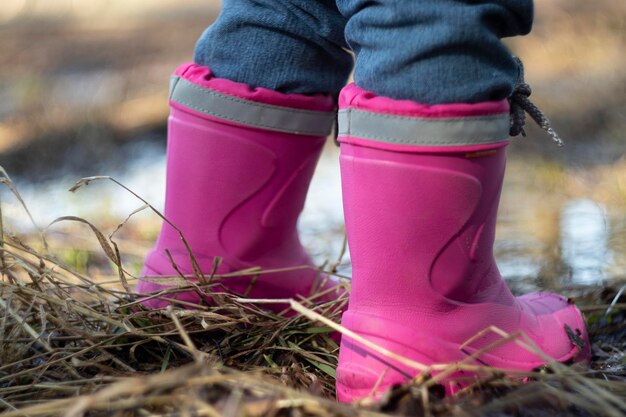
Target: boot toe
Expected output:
[562,333]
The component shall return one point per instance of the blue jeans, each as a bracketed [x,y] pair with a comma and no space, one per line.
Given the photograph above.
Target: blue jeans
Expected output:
[429,51]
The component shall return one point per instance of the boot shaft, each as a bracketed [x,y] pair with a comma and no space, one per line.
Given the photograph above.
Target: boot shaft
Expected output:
[420,227]
[420,217]
[239,163]
[225,182]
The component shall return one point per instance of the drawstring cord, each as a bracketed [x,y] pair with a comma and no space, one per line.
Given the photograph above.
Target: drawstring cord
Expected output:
[520,105]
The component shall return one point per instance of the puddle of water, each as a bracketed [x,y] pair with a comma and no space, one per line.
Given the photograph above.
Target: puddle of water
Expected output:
[540,243]
[584,241]
[48,200]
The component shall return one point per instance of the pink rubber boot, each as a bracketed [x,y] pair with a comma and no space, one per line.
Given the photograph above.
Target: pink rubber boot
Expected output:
[421,186]
[239,163]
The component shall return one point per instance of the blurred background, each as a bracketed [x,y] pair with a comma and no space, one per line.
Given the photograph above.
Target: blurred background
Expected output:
[83,91]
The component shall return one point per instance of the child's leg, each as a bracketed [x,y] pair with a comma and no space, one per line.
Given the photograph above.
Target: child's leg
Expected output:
[290,46]
[436,51]
[241,154]
[423,135]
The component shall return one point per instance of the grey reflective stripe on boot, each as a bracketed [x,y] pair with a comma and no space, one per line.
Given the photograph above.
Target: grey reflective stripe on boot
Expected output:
[250,113]
[402,130]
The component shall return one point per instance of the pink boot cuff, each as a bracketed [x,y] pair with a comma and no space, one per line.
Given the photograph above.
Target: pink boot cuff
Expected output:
[195,90]
[366,119]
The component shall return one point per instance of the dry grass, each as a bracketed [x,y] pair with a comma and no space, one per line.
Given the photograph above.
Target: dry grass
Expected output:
[72,345]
